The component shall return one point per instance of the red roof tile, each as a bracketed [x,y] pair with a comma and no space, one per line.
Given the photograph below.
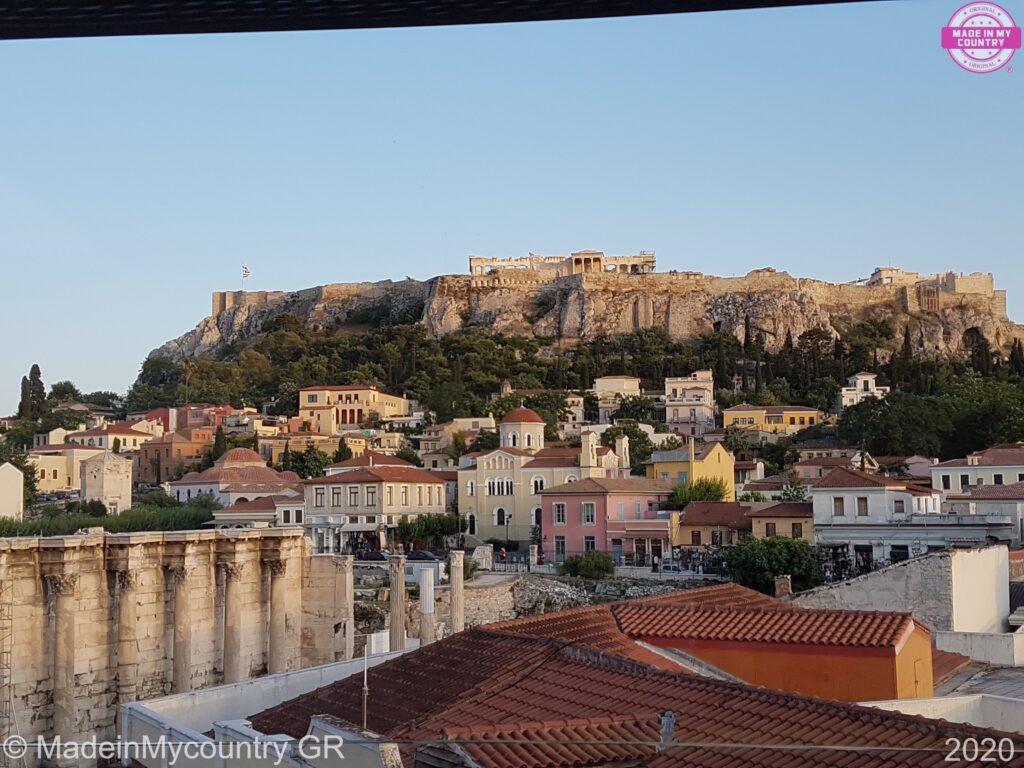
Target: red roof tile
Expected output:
[727,513]
[601,485]
[522,416]
[372,459]
[803,627]
[377,474]
[784,509]
[726,595]
[852,478]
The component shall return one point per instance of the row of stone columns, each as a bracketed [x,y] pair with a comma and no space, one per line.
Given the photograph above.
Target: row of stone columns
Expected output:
[428,619]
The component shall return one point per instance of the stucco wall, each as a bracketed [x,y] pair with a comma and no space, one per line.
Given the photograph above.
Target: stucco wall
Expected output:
[981,589]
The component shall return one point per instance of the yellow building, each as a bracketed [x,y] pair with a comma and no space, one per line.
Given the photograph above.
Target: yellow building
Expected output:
[333,409]
[787,519]
[784,419]
[709,524]
[58,467]
[687,465]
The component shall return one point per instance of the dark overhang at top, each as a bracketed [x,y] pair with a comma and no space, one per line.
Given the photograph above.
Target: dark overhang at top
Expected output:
[25,19]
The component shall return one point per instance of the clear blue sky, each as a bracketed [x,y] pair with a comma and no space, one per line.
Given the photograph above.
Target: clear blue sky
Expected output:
[138,174]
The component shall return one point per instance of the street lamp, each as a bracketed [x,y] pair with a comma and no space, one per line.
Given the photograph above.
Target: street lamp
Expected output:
[508,520]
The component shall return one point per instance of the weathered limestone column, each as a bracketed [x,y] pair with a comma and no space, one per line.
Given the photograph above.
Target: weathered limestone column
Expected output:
[233,573]
[345,595]
[127,635]
[428,630]
[457,603]
[277,654]
[397,633]
[181,653]
[63,588]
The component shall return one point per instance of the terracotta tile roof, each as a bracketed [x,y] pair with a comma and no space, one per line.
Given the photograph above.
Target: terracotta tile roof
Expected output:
[728,513]
[237,475]
[852,478]
[579,742]
[552,462]
[593,626]
[494,699]
[726,595]
[869,629]
[825,461]
[784,509]
[522,416]
[1002,455]
[602,485]
[372,459]
[377,475]
[63,447]
[118,428]
[946,664]
[1011,492]
[510,451]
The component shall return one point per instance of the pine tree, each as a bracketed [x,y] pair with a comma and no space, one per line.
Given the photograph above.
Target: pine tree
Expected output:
[286,458]
[25,403]
[220,444]
[36,392]
[908,349]
[344,453]
[116,445]
[747,338]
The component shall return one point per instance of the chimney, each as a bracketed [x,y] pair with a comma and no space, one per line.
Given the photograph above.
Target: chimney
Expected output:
[783,586]
[668,730]
[622,451]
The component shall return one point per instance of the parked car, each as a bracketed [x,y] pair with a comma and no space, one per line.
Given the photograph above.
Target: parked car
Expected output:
[420,554]
[671,568]
[374,555]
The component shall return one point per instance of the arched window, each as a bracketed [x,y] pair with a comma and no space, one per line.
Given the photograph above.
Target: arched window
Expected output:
[536,516]
[571,479]
[513,439]
[529,440]
[472,525]
[538,484]
[470,488]
[499,516]
[508,486]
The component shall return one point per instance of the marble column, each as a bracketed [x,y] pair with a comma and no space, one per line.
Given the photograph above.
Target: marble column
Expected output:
[127,636]
[397,630]
[457,604]
[63,589]
[181,652]
[345,602]
[428,627]
[233,573]
[277,654]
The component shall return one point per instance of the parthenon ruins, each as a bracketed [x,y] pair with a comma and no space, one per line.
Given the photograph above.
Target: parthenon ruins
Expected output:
[579,262]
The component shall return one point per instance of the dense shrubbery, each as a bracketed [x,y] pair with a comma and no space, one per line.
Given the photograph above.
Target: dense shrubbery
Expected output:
[589,565]
[182,518]
[755,563]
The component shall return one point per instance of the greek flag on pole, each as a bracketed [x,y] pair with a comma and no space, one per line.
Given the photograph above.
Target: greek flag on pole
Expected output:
[245,272]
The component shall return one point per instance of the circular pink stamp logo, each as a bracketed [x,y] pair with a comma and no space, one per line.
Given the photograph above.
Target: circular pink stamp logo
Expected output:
[981,37]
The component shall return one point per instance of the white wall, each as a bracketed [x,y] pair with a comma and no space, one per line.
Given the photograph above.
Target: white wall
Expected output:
[983,710]
[999,649]
[12,504]
[981,589]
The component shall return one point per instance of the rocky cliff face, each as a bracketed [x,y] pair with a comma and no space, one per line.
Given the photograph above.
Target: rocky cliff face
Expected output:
[586,306]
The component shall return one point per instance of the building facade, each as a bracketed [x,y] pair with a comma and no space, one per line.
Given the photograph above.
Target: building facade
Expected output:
[619,516]
[688,465]
[331,409]
[360,508]
[12,492]
[860,387]
[238,475]
[107,478]
[775,419]
[999,465]
[499,490]
[689,403]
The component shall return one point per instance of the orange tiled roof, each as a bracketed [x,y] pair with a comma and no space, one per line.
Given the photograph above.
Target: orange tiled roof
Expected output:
[372,459]
[600,485]
[377,474]
[522,416]
[803,627]
[784,509]
[727,513]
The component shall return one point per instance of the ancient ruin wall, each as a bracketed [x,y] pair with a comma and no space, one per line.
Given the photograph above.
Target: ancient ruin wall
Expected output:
[99,620]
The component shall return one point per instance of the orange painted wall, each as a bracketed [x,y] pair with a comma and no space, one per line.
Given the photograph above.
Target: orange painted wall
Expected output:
[841,673]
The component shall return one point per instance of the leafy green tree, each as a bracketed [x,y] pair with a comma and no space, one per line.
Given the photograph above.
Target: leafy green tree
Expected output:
[65,391]
[310,463]
[487,440]
[634,408]
[749,496]
[408,454]
[116,445]
[794,490]
[458,447]
[64,418]
[755,563]
[704,489]
[672,443]
[822,394]
[640,445]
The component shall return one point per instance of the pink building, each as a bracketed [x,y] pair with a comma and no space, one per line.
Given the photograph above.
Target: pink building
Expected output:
[619,516]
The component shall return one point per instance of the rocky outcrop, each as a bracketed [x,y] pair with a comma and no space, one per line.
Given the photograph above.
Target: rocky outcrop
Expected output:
[582,306]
